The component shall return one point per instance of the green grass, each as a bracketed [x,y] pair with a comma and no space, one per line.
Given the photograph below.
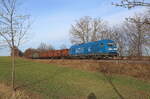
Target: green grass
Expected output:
[53,82]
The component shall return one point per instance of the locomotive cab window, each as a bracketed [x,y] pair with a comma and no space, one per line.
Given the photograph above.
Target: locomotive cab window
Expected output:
[101,45]
[110,44]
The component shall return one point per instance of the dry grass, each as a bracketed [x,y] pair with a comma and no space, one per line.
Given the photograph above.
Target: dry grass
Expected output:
[7,93]
[134,69]
[141,71]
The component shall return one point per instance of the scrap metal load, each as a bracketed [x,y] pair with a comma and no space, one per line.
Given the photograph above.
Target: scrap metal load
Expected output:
[54,54]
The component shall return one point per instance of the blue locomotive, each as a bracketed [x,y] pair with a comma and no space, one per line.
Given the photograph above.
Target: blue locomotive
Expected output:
[96,49]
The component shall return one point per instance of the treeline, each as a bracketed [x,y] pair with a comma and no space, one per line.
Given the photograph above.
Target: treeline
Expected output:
[132,35]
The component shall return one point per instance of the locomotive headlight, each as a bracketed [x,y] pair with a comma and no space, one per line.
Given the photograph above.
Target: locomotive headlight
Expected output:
[115,48]
[110,49]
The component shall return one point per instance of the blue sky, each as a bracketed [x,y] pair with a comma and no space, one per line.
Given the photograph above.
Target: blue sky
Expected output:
[52,19]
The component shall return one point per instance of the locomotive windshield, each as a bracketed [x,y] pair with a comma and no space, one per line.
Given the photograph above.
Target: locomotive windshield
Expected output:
[101,45]
[111,44]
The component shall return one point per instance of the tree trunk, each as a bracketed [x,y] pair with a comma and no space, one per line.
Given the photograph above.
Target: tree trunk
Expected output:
[13,68]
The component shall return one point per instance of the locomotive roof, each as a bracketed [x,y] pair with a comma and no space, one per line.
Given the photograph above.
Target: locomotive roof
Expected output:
[104,41]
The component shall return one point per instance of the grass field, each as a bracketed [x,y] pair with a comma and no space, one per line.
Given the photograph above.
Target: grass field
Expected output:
[55,82]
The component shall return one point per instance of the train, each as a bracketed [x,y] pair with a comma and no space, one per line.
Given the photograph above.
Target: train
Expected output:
[96,49]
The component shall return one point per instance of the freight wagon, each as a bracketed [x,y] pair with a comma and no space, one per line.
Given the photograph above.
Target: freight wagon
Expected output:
[51,54]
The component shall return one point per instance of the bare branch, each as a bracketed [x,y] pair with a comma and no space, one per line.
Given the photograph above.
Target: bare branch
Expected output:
[132,3]
[87,29]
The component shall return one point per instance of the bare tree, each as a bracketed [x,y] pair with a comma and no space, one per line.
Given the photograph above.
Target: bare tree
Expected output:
[138,35]
[138,27]
[42,47]
[13,28]
[45,47]
[63,46]
[50,47]
[132,3]
[3,44]
[80,31]
[87,29]
[119,36]
[100,30]
[133,35]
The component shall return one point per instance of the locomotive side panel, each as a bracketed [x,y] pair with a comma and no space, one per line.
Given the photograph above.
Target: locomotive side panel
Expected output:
[97,49]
